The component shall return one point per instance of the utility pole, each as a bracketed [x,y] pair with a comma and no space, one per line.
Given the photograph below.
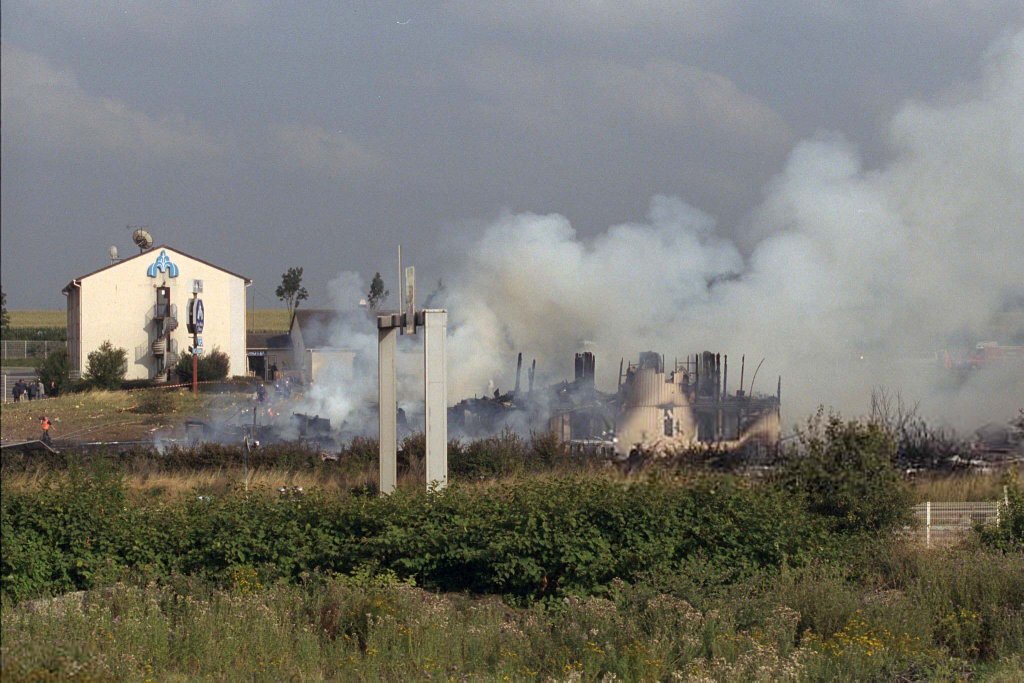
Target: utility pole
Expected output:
[195,356]
[196,322]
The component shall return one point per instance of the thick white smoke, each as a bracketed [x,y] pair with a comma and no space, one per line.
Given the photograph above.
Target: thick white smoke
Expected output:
[857,277]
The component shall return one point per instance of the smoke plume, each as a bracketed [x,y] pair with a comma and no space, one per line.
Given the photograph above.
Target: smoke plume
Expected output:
[856,276]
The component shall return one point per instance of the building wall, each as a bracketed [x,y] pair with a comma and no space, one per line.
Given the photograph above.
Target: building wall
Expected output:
[75,360]
[332,365]
[117,304]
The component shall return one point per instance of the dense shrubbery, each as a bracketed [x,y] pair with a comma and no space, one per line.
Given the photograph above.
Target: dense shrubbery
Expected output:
[532,538]
[106,367]
[844,471]
[1008,535]
[938,618]
[211,366]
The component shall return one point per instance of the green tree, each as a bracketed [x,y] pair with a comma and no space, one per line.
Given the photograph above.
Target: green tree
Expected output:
[291,291]
[377,295]
[56,369]
[106,366]
[5,320]
[212,366]
[845,473]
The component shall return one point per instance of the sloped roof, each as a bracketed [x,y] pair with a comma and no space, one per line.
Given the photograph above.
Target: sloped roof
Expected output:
[149,252]
[317,325]
[267,340]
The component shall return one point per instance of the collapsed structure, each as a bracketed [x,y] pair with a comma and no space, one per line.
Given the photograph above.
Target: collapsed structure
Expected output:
[652,410]
[690,405]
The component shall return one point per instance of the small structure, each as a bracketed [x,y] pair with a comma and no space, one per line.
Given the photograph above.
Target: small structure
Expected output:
[267,350]
[313,335]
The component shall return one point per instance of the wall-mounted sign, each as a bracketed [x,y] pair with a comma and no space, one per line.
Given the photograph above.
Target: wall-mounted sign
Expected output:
[162,264]
[196,316]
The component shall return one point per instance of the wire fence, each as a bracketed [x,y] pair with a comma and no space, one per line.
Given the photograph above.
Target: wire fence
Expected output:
[944,523]
[13,349]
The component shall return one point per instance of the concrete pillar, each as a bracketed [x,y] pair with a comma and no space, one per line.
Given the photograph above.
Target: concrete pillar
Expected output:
[387,386]
[435,374]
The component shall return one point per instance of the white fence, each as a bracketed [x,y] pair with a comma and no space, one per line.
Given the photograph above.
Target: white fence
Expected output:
[945,523]
[22,348]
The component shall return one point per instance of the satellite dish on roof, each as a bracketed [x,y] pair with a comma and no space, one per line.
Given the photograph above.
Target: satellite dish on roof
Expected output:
[143,240]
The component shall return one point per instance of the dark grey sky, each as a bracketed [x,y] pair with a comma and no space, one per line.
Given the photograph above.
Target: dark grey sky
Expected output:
[266,135]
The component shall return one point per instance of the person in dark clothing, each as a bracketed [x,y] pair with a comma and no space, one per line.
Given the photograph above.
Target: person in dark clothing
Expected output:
[16,391]
[30,391]
[54,390]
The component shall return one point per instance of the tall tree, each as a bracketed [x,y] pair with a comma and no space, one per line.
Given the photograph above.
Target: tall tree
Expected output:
[5,320]
[377,295]
[291,291]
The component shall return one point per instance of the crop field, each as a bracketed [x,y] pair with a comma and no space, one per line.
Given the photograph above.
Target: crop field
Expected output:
[58,318]
[208,562]
[266,319]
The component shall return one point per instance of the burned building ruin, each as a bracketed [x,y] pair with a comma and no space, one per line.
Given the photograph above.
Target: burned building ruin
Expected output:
[653,410]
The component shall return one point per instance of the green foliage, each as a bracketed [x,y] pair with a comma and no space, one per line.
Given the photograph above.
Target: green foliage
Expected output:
[36,333]
[212,366]
[5,319]
[377,295]
[1008,535]
[55,368]
[844,472]
[526,540]
[291,291]
[374,626]
[106,366]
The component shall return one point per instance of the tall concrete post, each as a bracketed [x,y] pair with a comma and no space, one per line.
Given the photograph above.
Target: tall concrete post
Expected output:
[435,375]
[387,386]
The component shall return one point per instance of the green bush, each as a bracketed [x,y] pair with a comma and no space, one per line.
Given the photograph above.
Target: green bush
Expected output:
[106,366]
[525,539]
[212,366]
[844,472]
[1008,535]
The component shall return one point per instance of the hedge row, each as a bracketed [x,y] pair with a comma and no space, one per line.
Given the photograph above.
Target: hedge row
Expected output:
[526,539]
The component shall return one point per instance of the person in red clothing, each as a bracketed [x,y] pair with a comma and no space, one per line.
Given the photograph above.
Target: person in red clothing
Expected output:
[44,423]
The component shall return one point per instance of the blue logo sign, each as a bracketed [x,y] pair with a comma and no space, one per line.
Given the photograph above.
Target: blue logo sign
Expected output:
[196,316]
[164,265]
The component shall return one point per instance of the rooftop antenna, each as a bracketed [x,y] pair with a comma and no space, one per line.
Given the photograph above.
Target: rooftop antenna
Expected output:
[143,240]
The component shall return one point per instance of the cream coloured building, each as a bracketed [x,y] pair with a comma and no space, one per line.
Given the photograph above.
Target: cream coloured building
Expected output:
[140,304]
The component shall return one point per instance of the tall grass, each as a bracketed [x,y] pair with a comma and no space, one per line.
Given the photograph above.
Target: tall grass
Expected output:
[944,487]
[929,618]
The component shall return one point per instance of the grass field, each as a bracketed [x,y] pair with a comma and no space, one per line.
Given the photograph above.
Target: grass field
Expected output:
[113,415]
[269,319]
[57,318]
